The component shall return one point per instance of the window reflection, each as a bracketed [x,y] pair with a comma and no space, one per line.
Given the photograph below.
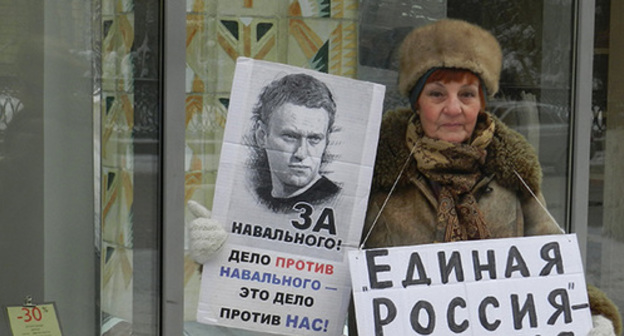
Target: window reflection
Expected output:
[605,241]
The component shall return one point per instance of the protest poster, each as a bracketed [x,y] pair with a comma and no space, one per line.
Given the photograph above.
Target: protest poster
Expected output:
[292,189]
[512,286]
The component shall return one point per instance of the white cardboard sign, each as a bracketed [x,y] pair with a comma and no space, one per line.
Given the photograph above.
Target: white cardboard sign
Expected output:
[284,268]
[514,286]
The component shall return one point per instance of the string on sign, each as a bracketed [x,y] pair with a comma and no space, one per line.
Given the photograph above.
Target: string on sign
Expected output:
[385,202]
[535,196]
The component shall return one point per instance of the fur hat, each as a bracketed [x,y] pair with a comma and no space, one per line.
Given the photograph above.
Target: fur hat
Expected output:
[449,43]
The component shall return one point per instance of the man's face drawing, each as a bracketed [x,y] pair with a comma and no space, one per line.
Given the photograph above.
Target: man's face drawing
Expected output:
[295,139]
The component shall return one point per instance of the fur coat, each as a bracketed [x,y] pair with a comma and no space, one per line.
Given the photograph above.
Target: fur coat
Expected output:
[408,218]
[509,208]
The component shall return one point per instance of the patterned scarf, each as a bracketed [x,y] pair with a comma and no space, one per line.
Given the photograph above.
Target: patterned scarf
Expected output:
[456,168]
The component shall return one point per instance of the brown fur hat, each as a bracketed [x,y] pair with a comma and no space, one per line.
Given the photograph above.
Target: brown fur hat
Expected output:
[449,43]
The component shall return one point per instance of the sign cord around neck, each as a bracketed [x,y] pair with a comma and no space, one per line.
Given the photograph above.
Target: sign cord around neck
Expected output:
[534,196]
[385,202]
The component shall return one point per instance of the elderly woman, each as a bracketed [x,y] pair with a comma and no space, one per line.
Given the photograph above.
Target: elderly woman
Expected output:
[446,169]
[460,173]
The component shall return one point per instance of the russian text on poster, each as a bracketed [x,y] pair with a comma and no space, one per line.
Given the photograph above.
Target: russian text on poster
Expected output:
[513,286]
[291,191]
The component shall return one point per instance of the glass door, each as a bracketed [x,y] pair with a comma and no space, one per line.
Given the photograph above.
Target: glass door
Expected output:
[81,162]
[539,96]
[605,231]
[130,116]
[47,191]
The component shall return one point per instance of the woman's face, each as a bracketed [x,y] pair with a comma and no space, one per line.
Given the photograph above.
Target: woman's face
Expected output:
[448,111]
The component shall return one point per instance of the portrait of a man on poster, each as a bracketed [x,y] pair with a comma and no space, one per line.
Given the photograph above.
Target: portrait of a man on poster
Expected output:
[292,123]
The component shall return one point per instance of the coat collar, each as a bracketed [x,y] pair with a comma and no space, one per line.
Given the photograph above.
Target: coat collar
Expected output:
[508,153]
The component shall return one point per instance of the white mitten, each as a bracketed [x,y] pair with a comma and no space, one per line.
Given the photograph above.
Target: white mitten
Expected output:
[602,326]
[206,235]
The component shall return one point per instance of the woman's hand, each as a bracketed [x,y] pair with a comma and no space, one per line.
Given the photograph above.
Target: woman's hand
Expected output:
[602,326]
[206,235]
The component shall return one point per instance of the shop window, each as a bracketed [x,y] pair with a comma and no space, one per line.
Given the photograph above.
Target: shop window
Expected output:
[360,39]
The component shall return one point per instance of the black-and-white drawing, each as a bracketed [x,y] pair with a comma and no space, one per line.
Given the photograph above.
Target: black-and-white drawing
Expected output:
[292,191]
[293,120]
